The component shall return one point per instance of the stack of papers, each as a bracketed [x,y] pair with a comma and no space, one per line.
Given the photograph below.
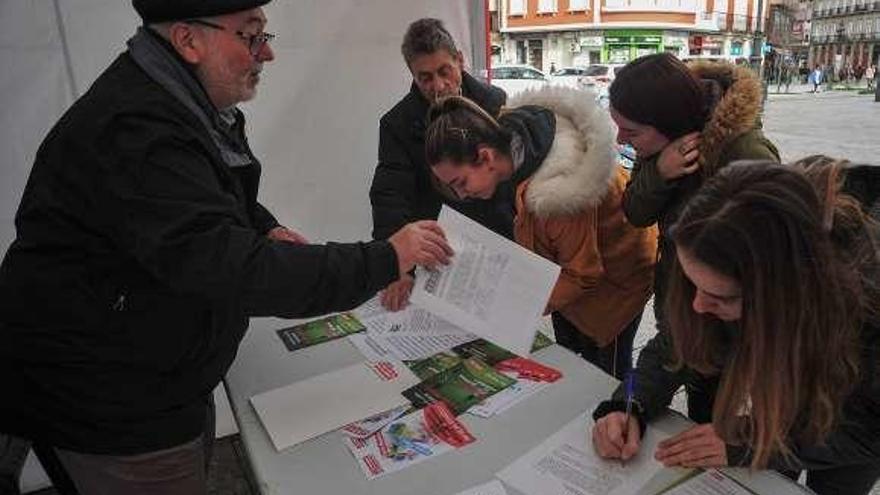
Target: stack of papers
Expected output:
[493,289]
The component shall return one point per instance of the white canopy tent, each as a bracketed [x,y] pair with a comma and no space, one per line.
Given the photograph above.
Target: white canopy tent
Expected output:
[314,124]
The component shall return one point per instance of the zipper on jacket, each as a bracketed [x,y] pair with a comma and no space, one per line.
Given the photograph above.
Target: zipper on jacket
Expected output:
[119,305]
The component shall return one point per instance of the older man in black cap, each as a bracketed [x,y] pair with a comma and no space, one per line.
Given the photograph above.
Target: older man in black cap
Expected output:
[141,251]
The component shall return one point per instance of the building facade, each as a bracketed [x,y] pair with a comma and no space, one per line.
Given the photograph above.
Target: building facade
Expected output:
[788,31]
[845,33]
[551,34]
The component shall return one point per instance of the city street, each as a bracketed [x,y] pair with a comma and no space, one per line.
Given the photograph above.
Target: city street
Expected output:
[842,124]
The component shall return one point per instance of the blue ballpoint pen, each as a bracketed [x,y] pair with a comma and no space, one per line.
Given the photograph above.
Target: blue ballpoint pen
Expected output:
[628,389]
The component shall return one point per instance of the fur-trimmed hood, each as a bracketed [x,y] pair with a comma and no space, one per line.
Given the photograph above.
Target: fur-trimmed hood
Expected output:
[581,162]
[737,106]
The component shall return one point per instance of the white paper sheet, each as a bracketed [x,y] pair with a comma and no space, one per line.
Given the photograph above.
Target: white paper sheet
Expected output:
[323,403]
[710,482]
[493,287]
[370,309]
[491,488]
[566,463]
[507,398]
[370,349]
[408,347]
[410,334]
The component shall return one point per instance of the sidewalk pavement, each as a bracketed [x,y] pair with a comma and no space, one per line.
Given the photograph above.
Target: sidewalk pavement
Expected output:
[801,88]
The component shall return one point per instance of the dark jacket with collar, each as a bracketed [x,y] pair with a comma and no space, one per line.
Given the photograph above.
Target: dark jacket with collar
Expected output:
[140,255]
[402,189]
[731,133]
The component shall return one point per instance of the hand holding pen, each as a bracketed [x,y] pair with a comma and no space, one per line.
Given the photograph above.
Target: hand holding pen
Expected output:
[617,435]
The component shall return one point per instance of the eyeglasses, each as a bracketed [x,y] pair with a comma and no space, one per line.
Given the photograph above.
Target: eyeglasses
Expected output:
[255,42]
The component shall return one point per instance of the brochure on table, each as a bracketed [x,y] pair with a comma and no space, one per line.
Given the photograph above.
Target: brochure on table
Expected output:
[414,438]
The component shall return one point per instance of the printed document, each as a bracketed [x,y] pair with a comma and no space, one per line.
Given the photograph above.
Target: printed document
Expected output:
[567,464]
[491,488]
[709,482]
[493,287]
[410,334]
[507,398]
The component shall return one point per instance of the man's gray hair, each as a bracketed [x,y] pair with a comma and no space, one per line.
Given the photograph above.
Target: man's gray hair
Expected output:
[424,37]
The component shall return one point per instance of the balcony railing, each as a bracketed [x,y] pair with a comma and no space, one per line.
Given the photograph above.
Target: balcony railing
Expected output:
[736,23]
[849,9]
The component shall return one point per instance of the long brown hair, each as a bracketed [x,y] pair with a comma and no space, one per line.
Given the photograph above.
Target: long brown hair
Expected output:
[794,356]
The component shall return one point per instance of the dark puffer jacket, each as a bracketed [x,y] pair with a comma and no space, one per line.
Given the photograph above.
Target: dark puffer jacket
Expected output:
[402,190]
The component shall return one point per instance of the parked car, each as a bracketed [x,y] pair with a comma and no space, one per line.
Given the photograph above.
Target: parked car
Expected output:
[567,76]
[598,77]
[737,60]
[514,79]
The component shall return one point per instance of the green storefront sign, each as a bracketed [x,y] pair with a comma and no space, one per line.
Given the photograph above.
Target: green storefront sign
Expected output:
[622,46]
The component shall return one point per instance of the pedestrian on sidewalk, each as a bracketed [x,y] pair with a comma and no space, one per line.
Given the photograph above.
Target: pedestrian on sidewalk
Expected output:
[785,74]
[816,78]
[870,73]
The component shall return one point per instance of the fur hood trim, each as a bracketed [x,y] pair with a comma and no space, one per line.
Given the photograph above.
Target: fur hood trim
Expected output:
[581,163]
[735,113]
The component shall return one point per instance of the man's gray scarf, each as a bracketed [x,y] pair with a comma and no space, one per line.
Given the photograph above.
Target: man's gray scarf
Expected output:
[167,70]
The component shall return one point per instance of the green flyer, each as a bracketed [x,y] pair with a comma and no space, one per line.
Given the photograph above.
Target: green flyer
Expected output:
[318,331]
[460,387]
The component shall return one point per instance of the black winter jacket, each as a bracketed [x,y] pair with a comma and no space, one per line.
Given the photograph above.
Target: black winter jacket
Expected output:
[139,257]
